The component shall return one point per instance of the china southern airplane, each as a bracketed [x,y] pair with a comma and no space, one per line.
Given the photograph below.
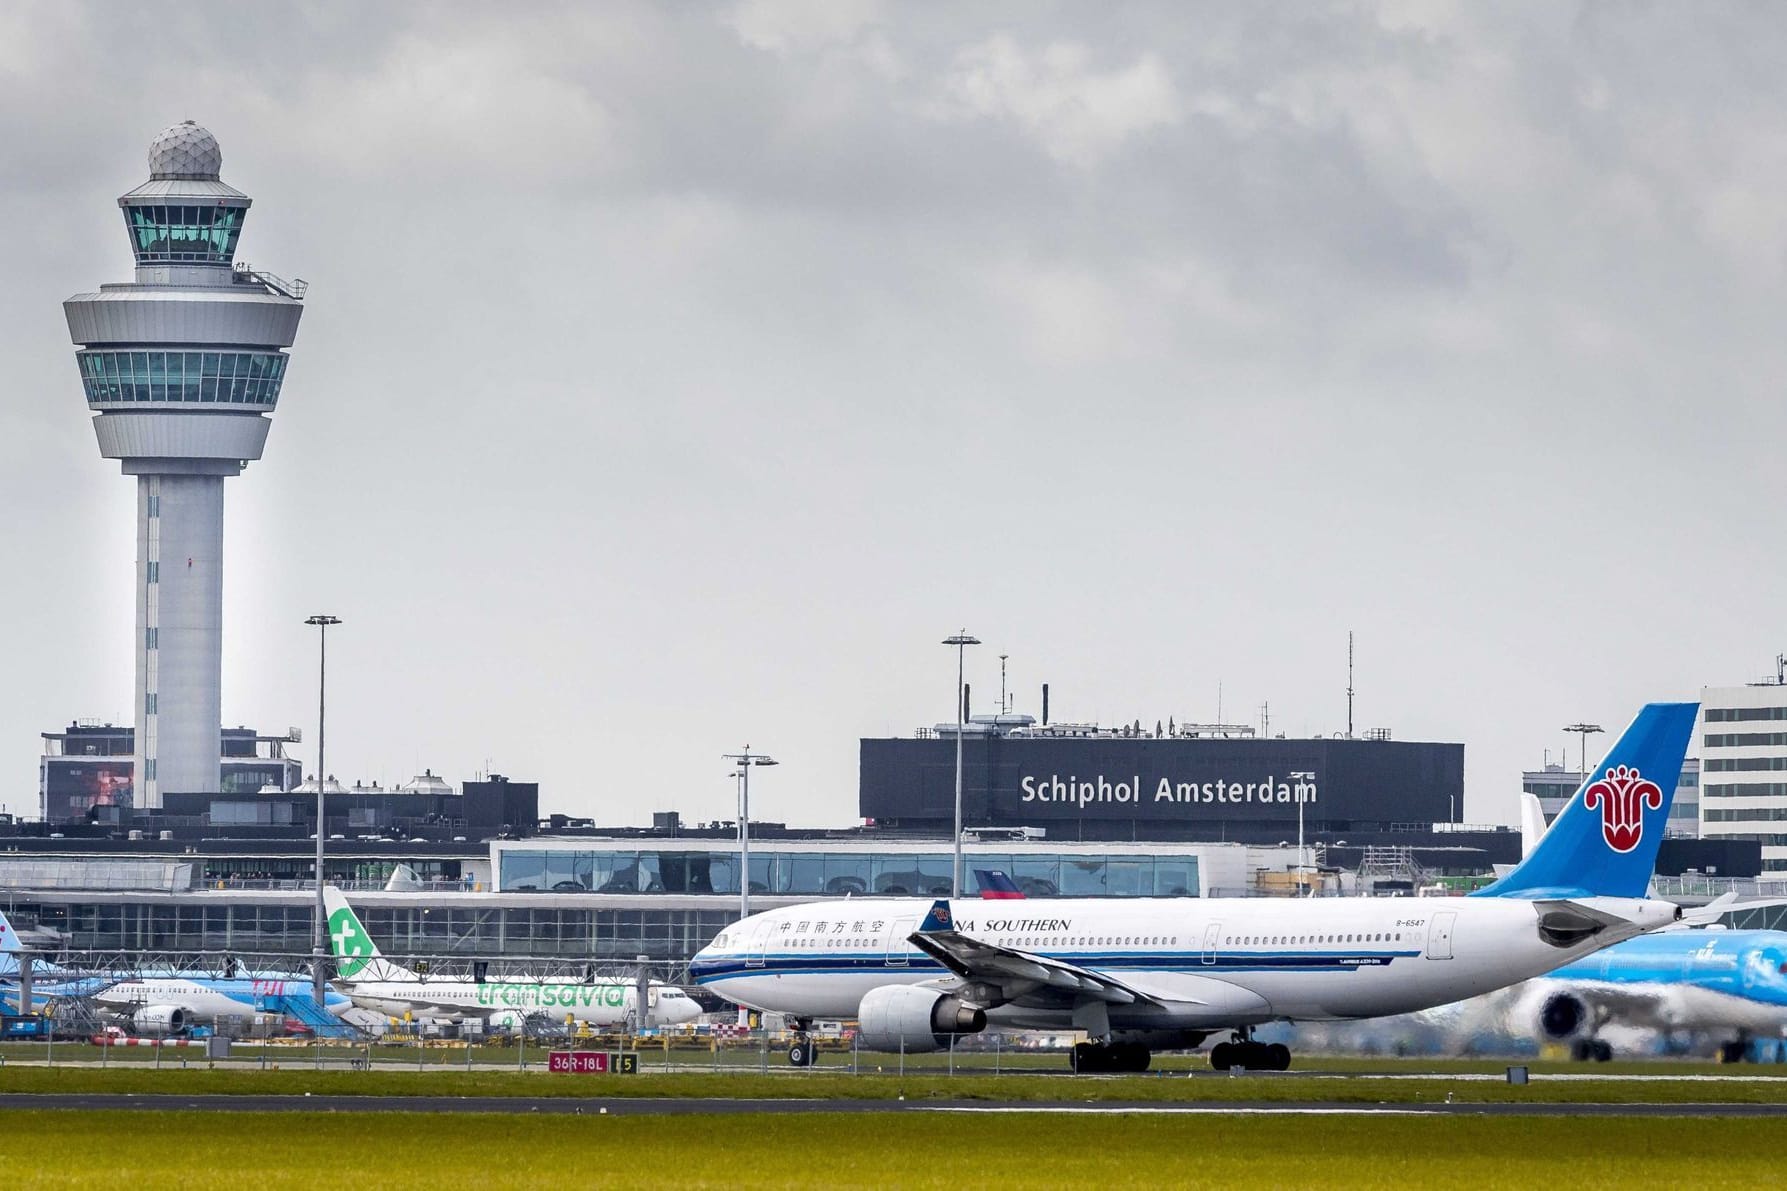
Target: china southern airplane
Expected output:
[373,982]
[1167,973]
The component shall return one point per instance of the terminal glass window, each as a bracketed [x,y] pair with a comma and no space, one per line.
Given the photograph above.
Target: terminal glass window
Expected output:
[1083,876]
[1129,876]
[194,234]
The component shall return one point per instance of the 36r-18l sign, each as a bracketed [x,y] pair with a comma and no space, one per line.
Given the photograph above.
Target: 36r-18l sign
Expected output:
[592,1062]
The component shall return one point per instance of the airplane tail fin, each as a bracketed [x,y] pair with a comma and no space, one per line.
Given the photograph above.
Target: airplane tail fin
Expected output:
[356,955]
[937,918]
[9,938]
[996,885]
[1532,824]
[1604,843]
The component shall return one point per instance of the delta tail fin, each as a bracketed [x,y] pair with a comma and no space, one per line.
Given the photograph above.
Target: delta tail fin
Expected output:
[1604,843]
[356,955]
[997,885]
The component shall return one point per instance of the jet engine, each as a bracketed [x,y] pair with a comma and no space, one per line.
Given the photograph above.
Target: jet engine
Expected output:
[1563,1015]
[159,1021]
[898,1016]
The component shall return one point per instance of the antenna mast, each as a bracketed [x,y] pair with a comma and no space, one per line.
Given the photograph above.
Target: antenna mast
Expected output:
[1004,706]
[1349,684]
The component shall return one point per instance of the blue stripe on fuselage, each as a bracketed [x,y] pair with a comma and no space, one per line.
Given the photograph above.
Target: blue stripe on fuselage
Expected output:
[809,965]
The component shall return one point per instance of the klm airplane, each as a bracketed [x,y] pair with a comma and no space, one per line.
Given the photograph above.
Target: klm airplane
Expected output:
[1731,984]
[1727,984]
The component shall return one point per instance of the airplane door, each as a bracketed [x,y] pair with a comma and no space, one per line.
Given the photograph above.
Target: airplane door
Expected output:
[1212,938]
[759,941]
[897,955]
[1439,935]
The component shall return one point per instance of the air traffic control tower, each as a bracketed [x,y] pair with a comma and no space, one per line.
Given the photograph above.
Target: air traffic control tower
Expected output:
[182,367]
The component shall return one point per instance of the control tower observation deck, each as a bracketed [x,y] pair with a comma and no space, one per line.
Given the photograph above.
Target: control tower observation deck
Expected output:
[181,368]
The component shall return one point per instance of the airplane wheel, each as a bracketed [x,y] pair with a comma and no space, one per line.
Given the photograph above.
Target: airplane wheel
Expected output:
[1603,1052]
[1731,1052]
[1139,1058]
[1222,1056]
[800,1053]
[1085,1058]
[1581,1050]
[1278,1057]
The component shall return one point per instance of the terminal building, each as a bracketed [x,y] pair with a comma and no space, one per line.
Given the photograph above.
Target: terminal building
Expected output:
[1744,795]
[88,771]
[1193,782]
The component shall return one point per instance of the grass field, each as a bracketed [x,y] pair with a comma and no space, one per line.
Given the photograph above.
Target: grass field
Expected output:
[925,1085]
[920,1150]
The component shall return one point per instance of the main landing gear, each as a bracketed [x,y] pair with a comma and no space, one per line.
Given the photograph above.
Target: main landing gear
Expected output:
[1093,1057]
[1585,1050]
[801,1052]
[1249,1055]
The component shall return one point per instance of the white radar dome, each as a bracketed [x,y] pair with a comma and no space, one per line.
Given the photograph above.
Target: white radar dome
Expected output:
[185,151]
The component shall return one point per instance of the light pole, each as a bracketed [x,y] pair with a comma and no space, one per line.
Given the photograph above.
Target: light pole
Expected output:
[319,954]
[744,761]
[1584,731]
[1298,779]
[961,641]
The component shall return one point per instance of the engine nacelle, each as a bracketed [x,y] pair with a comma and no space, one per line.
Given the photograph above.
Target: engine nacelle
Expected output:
[1563,1015]
[898,1016]
[159,1020]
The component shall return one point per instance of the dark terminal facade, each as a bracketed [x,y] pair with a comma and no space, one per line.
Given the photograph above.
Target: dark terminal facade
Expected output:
[1198,782]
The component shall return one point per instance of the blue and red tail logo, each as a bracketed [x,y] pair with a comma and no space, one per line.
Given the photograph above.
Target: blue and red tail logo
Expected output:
[995,885]
[1622,794]
[938,917]
[1604,842]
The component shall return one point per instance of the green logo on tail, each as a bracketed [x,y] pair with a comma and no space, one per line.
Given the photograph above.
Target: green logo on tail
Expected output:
[352,948]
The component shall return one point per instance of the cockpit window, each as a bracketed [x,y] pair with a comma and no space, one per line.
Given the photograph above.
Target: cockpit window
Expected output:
[722,941]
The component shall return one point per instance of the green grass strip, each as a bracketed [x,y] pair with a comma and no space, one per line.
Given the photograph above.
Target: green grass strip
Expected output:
[374,1151]
[927,1085]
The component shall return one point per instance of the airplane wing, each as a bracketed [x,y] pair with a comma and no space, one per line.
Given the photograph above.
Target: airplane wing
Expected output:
[1018,973]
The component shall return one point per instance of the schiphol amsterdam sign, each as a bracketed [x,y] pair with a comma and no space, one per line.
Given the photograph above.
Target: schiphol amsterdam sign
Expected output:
[1082,793]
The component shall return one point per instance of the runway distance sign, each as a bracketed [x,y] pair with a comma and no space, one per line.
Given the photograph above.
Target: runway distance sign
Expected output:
[592,1062]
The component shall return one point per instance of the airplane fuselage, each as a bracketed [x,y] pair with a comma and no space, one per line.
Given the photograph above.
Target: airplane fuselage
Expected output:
[600,1003]
[1211,962]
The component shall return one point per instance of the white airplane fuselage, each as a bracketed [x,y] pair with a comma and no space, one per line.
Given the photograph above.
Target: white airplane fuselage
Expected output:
[602,1003]
[204,999]
[1208,962]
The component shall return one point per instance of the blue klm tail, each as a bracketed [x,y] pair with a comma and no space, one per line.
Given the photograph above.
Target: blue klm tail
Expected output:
[1605,842]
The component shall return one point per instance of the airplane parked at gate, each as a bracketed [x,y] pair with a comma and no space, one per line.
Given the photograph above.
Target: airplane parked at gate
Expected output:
[164,1002]
[1168,973]
[168,1004]
[373,982]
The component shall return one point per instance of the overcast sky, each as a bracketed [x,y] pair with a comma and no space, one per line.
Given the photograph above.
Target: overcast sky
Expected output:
[677,377]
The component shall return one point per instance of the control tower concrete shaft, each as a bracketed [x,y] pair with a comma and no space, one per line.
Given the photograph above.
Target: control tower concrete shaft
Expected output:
[181,368]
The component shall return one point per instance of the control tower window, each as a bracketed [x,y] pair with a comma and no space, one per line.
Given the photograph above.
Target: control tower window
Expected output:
[212,377]
[184,234]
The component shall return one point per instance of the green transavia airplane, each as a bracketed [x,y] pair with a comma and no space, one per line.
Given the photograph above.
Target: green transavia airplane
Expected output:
[373,982]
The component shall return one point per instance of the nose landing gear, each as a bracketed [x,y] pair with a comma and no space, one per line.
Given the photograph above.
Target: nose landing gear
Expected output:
[1245,1053]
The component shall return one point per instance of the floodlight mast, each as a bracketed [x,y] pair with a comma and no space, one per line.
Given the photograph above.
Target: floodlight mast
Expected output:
[319,927]
[961,641]
[745,761]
